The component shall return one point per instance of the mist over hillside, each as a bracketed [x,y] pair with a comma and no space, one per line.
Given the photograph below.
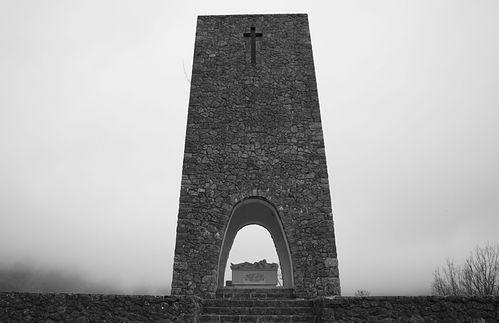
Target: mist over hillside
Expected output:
[25,278]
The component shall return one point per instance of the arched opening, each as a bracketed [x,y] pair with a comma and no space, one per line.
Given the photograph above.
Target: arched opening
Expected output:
[253,243]
[260,212]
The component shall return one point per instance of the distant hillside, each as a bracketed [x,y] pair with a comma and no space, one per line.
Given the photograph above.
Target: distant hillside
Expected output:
[26,279]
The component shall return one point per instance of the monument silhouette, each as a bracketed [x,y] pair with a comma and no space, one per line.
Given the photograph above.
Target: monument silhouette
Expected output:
[254,154]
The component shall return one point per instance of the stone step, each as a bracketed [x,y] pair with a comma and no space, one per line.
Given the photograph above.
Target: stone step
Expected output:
[258,310]
[252,310]
[211,318]
[221,302]
[254,293]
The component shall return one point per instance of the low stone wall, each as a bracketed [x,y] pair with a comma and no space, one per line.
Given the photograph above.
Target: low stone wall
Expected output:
[84,308]
[408,309]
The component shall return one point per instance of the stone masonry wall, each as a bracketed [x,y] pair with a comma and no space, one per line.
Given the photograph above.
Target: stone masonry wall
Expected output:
[408,309]
[85,308]
[254,130]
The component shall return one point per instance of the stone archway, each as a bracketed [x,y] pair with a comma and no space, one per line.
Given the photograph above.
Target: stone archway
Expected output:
[257,211]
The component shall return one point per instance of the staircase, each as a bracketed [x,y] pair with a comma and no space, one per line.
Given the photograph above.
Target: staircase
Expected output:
[254,293]
[256,305]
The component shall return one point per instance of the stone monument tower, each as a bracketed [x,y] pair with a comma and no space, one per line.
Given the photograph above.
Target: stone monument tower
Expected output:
[254,154]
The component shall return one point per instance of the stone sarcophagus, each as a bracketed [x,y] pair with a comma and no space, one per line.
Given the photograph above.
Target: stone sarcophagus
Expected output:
[259,274]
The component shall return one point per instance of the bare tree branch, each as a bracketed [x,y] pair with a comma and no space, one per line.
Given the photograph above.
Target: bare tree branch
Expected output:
[478,276]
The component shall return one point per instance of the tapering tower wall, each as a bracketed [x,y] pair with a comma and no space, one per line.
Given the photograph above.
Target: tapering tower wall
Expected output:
[254,136]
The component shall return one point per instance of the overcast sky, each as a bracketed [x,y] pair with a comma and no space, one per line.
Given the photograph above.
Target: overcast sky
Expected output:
[93,107]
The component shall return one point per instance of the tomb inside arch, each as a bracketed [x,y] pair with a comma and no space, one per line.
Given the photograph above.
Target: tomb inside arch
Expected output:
[252,246]
[259,212]
[253,260]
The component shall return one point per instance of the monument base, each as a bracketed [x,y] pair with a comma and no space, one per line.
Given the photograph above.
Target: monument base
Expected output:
[254,278]
[256,275]
[248,292]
